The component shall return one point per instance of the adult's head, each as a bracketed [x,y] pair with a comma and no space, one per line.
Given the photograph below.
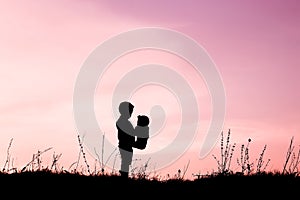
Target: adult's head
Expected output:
[126,109]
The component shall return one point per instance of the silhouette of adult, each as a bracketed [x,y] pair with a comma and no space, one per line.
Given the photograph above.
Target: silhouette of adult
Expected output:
[126,136]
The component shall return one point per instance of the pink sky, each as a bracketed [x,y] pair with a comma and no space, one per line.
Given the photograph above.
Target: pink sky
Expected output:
[254,44]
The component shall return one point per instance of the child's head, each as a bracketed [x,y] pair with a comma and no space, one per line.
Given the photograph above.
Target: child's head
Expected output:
[143,120]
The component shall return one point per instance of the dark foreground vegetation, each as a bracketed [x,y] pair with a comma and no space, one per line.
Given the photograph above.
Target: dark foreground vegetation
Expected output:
[46,183]
[252,180]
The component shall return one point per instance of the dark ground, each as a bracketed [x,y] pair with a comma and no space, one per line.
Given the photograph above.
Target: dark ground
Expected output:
[47,185]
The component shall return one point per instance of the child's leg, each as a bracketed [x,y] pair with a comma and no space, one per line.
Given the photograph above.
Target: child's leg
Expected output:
[137,144]
[140,143]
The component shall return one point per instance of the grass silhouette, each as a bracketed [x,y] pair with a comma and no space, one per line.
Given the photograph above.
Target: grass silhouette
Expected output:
[252,180]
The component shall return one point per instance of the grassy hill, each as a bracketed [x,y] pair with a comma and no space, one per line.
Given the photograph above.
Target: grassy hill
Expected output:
[34,181]
[53,185]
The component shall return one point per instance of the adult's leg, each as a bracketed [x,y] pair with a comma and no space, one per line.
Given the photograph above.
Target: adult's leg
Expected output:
[126,159]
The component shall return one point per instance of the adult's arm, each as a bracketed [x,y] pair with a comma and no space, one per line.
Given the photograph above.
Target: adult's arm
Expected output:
[126,127]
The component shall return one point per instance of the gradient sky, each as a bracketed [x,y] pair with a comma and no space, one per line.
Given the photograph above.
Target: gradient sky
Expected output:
[254,44]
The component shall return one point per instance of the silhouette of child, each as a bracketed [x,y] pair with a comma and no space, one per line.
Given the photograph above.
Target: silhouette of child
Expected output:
[141,132]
